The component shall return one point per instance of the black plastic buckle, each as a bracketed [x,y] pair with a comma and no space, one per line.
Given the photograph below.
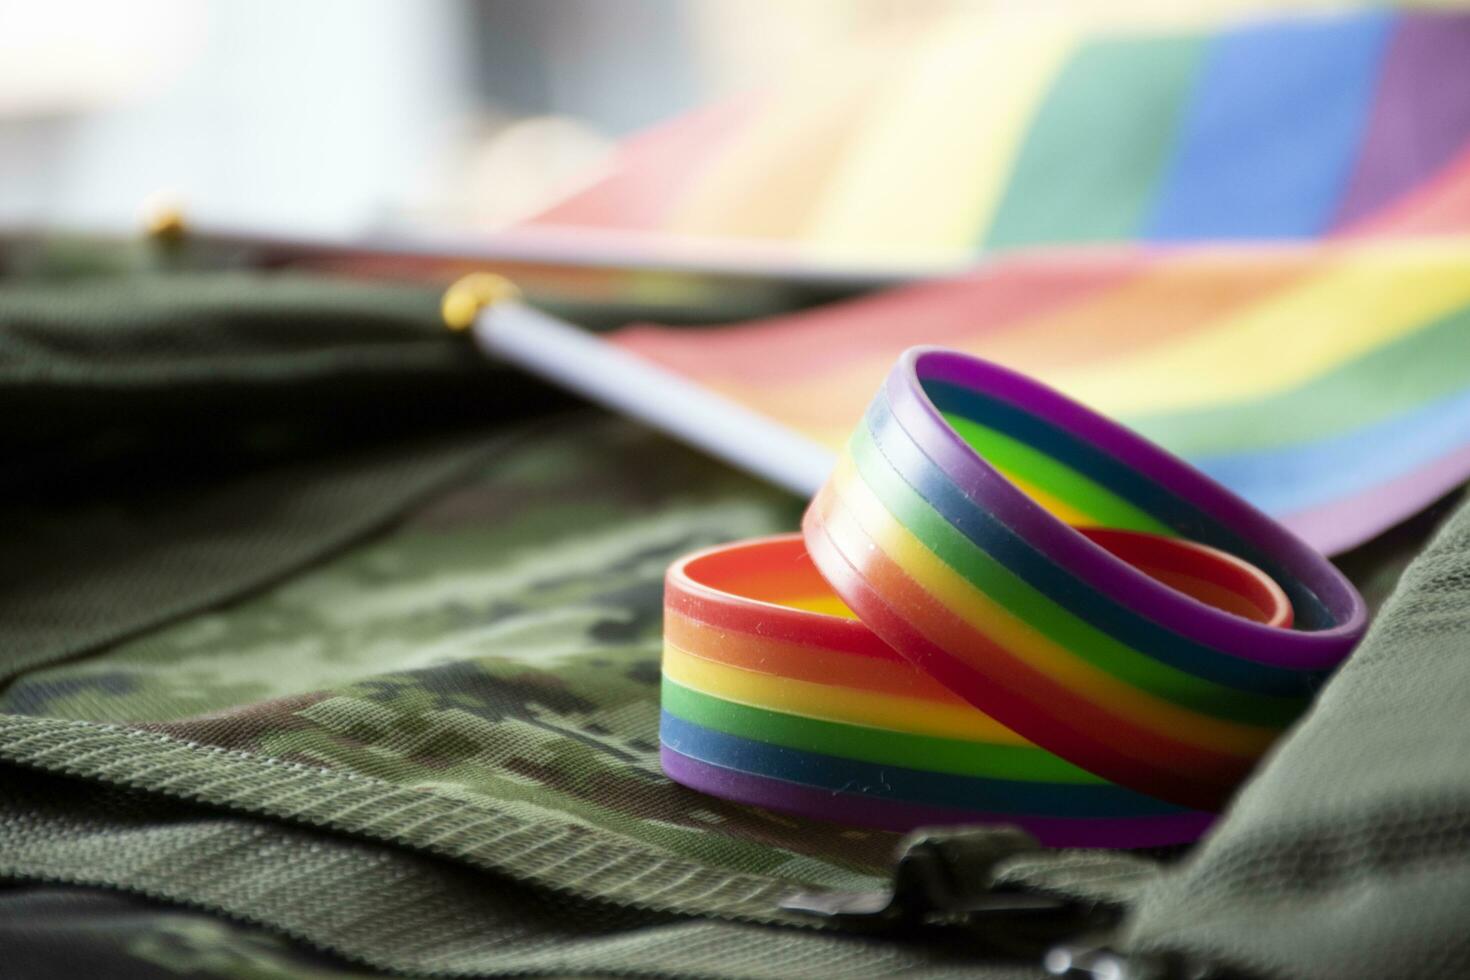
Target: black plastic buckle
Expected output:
[944,882]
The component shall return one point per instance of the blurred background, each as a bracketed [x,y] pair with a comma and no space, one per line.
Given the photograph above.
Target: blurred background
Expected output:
[339,116]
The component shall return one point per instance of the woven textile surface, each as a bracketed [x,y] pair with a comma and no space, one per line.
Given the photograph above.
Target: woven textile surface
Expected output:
[333,650]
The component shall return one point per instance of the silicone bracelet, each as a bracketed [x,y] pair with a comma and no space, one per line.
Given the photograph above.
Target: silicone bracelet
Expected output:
[840,807]
[940,530]
[775,695]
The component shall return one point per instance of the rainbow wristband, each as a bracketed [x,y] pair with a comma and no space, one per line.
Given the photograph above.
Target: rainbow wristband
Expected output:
[1005,658]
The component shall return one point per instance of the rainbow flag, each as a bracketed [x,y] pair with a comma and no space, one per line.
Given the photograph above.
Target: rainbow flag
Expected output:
[990,133]
[1248,239]
[1329,383]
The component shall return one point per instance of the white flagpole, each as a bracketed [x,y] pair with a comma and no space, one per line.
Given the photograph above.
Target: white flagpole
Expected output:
[505,328]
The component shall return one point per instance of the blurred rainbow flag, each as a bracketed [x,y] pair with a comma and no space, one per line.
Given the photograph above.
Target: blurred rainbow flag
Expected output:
[989,132]
[1250,240]
[1327,383]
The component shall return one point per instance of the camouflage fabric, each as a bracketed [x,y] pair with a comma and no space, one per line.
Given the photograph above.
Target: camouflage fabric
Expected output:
[413,728]
[478,684]
[172,442]
[498,648]
[56,931]
[207,697]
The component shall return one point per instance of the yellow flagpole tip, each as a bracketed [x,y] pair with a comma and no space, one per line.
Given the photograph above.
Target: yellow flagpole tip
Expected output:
[165,223]
[470,294]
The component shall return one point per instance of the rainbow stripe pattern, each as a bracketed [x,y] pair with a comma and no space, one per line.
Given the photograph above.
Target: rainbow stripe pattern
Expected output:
[807,711]
[946,530]
[1247,239]
[989,133]
[956,648]
[1328,384]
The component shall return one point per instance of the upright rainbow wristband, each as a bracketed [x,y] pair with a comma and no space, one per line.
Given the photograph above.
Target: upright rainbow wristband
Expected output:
[1100,687]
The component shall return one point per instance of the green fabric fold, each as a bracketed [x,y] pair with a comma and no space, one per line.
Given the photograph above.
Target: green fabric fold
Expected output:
[174,441]
[391,910]
[1348,853]
[316,621]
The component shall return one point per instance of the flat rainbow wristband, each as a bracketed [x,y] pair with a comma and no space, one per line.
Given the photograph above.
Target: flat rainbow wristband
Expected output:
[1001,619]
[774,695]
